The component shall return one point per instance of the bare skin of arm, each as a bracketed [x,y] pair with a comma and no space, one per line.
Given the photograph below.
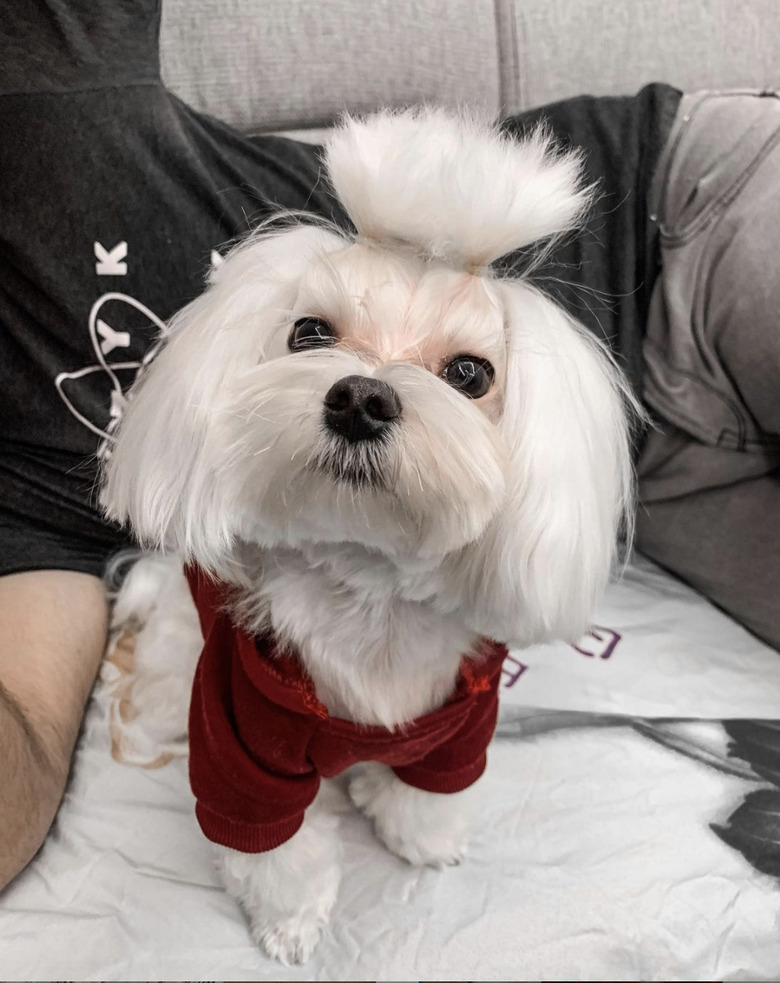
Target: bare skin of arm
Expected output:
[53,626]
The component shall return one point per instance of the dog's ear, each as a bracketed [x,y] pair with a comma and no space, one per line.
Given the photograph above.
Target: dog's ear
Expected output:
[163,477]
[538,571]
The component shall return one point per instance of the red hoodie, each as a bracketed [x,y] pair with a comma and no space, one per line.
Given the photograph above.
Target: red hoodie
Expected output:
[260,740]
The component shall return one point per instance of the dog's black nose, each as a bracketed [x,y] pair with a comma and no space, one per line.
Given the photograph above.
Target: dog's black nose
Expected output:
[360,408]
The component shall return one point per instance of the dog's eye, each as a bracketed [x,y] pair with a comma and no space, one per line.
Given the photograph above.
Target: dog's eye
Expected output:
[310,332]
[470,375]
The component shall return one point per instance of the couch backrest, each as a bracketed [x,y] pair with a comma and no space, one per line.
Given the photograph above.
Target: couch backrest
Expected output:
[278,64]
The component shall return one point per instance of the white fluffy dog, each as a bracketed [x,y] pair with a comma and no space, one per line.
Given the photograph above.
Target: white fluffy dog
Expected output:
[388,453]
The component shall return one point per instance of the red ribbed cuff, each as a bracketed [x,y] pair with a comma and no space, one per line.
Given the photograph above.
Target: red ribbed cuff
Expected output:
[245,837]
[445,782]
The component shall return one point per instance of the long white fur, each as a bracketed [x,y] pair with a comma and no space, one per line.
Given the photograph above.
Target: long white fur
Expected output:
[454,186]
[497,516]
[156,598]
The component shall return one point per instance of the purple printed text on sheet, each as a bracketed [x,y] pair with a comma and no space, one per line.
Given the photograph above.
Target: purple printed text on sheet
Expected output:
[598,643]
[512,669]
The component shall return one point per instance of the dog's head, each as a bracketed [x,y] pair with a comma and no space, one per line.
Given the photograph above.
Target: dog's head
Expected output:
[382,389]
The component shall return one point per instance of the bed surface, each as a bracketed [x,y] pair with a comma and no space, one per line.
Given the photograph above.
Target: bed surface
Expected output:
[593,855]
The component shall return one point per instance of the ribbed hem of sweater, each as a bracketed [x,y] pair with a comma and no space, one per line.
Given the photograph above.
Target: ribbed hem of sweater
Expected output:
[245,837]
[448,782]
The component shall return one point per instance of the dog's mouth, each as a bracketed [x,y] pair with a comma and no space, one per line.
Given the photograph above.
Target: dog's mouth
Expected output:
[361,465]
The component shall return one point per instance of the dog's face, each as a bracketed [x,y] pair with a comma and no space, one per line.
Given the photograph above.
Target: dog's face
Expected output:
[371,414]
[328,389]
[354,397]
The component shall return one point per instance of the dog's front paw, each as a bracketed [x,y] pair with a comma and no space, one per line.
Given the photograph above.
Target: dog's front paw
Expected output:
[287,893]
[424,851]
[290,939]
[424,828]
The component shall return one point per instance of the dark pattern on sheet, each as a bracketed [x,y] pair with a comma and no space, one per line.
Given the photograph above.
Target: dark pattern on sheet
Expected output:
[754,828]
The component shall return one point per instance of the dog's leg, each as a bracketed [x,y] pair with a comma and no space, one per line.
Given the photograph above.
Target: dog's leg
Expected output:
[287,893]
[421,827]
[152,691]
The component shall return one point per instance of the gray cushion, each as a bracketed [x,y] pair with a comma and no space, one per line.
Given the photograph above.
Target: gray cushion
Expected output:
[276,64]
[271,64]
[567,47]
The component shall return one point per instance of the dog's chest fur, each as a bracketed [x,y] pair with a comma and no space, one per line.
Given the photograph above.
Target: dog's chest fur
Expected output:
[366,631]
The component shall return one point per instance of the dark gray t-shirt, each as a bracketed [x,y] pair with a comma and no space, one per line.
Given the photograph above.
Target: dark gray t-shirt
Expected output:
[114,199]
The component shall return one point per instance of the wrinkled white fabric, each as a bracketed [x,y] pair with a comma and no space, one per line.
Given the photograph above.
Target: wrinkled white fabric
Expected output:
[592,857]
[675,655]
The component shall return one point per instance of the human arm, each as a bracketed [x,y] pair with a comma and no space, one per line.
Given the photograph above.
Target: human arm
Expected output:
[52,634]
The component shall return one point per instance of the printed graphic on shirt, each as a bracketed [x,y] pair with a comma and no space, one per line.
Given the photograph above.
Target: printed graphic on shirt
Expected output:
[105,382]
[123,344]
[109,263]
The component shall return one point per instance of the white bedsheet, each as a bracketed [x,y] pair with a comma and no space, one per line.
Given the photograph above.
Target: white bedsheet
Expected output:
[662,650]
[592,857]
